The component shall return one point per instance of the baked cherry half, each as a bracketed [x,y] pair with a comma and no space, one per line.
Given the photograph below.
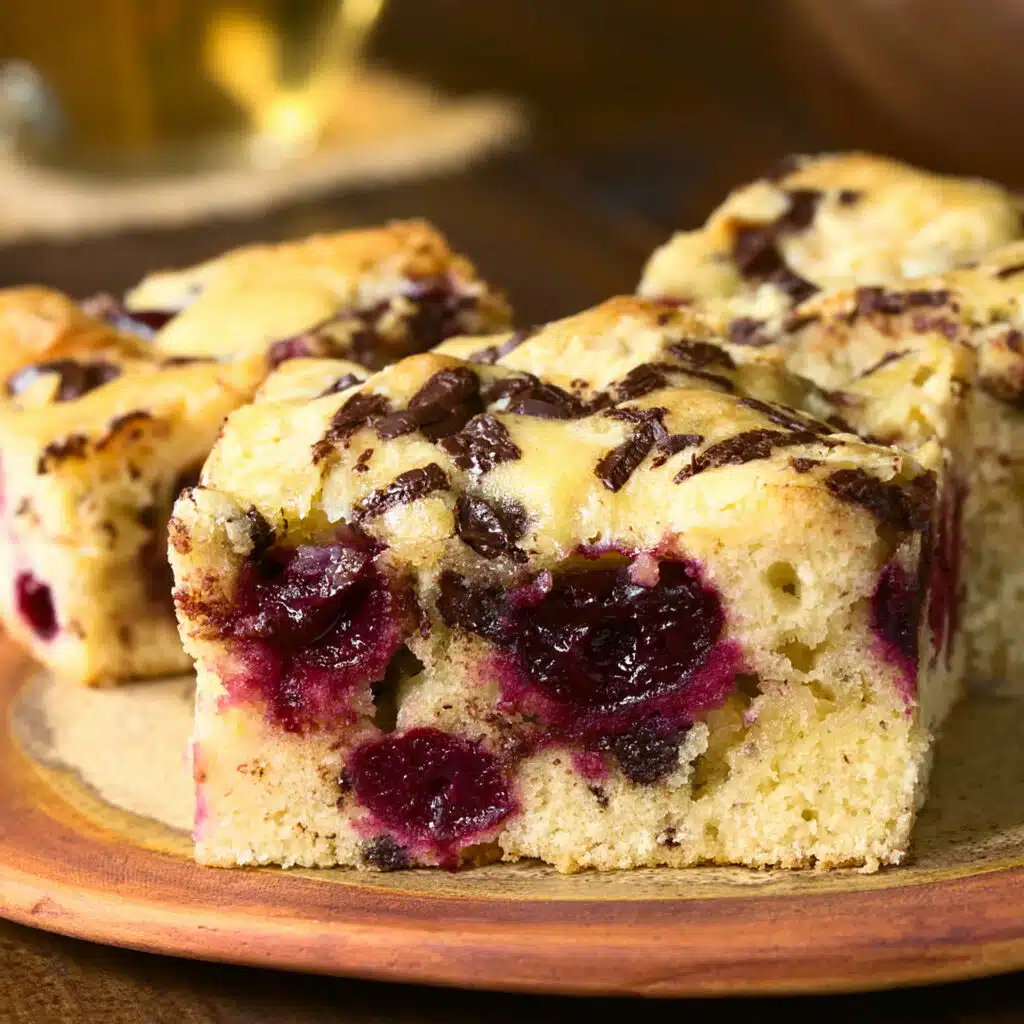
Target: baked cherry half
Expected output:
[434,791]
[312,627]
[34,600]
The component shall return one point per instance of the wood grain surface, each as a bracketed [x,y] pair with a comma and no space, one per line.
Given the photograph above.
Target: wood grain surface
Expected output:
[644,113]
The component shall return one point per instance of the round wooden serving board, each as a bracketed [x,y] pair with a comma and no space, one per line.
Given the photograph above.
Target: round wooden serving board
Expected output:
[73,859]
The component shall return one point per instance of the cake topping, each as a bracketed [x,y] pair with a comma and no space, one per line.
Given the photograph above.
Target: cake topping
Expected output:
[75,379]
[406,488]
[904,506]
[490,529]
[440,408]
[483,443]
[490,355]
[615,468]
[746,447]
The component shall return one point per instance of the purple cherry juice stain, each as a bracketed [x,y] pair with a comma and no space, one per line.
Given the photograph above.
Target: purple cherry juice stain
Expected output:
[946,560]
[895,618]
[435,792]
[313,626]
[590,765]
[34,601]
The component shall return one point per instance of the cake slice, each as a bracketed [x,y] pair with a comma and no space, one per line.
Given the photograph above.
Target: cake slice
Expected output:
[825,222]
[111,406]
[461,612]
[371,295]
[878,334]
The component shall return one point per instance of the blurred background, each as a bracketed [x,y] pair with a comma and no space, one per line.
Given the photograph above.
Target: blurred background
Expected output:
[149,132]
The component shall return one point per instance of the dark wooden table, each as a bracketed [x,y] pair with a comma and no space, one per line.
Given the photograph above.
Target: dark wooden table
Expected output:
[643,114]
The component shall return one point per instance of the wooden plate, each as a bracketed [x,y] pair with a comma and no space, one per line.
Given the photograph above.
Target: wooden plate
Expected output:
[72,862]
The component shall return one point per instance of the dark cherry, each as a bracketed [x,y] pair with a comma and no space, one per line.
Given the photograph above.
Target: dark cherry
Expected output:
[431,789]
[74,378]
[895,617]
[311,625]
[603,652]
[34,601]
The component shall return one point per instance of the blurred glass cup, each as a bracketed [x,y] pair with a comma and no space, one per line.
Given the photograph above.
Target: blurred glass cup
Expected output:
[136,86]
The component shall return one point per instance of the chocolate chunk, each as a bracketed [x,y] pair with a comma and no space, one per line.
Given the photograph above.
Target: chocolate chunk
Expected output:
[745,330]
[174,361]
[343,383]
[669,446]
[701,354]
[746,447]
[615,468]
[490,529]
[490,355]
[783,417]
[475,609]
[904,506]
[446,402]
[384,854]
[120,424]
[599,795]
[483,443]
[631,414]
[74,379]
[73,447]
[358,411]
[527,396]
[849,196]
[802,465]
[1009,271]
[406,488]
[361,465]
[648,752]
[640,381]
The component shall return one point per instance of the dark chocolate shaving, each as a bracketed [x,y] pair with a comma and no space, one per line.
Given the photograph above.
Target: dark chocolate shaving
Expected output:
[490,355]
[615,468]
[1009,271]
[406,488]
[74,379]
[674,443]
[357,412]
[746,447]
[73,447]
[783,417]
[889,357]
[490,529]
[745,330]
[701,354]
[904,506]
[483,443]
[343,383]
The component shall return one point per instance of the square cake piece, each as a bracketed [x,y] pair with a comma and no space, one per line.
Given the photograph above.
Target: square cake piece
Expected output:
[372,296]
[97,436]
[111,406]
[875,335]
[817,223]
[462,612]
